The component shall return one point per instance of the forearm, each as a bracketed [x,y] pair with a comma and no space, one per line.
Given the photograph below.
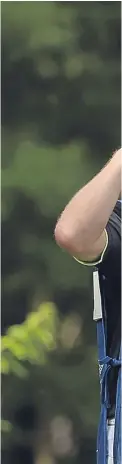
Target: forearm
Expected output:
[85,217]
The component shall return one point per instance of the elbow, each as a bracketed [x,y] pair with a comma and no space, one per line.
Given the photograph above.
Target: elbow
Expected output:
[66,239]
[62,237]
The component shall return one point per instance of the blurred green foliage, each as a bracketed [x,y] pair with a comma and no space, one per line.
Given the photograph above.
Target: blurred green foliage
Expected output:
[28,341]
[61,106]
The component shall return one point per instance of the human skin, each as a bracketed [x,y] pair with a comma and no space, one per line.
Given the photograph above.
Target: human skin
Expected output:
[81,227]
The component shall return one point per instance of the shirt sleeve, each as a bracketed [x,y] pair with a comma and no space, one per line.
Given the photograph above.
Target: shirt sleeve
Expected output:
[112,257]
[112,246]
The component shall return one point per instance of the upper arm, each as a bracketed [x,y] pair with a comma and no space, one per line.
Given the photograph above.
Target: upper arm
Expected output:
[96,253]
[107,249]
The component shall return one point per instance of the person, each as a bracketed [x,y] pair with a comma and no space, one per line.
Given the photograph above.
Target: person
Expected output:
[89,228]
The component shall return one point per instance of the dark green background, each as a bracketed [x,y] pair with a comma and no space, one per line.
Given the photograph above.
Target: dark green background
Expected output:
[60,123]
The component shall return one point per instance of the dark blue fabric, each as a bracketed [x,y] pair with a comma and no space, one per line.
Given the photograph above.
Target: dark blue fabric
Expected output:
[117,435]
[102,430]
[105,364]
[110,288]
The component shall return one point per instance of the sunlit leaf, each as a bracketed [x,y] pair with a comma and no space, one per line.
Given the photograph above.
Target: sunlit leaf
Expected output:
[5,367]
[18,332]
[46,338]
[6,426]
[18,350]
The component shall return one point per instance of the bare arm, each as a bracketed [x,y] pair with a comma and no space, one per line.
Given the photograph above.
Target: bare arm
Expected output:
[81,227]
